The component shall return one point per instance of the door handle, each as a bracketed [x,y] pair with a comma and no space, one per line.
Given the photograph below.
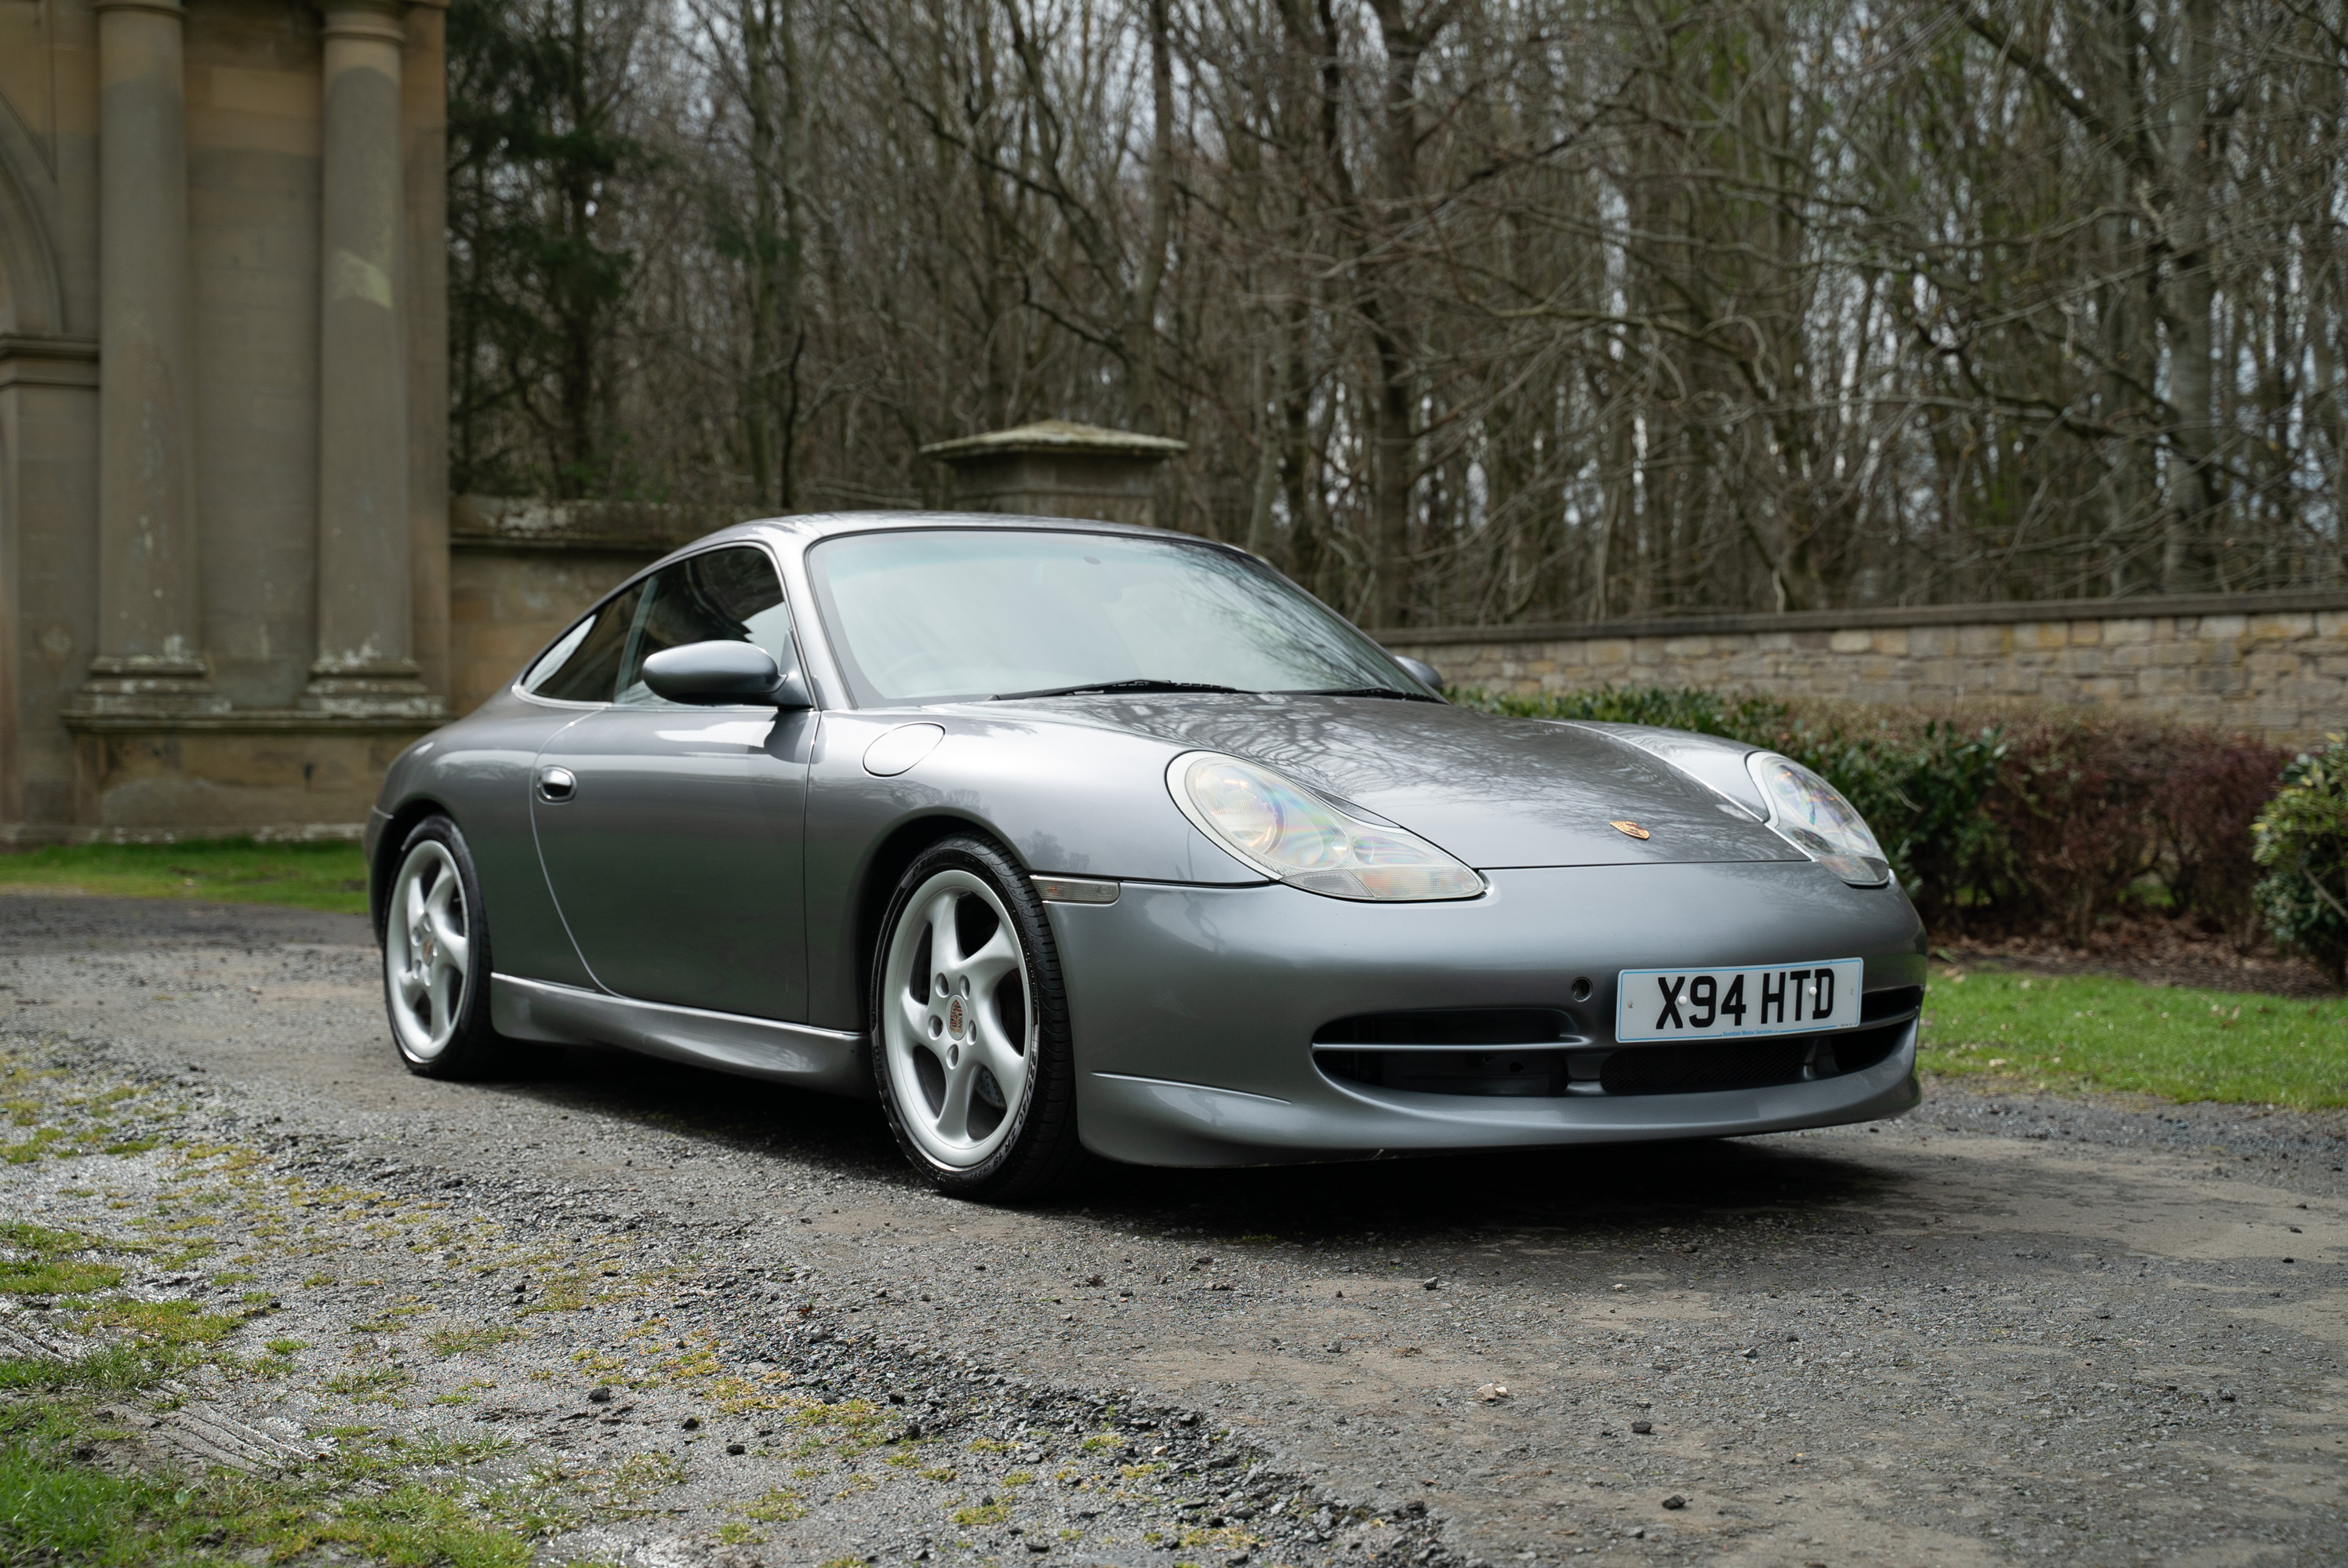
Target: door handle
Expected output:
[556,784]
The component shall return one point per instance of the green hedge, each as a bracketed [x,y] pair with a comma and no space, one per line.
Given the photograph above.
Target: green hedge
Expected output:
[2006,822]
[2301,843]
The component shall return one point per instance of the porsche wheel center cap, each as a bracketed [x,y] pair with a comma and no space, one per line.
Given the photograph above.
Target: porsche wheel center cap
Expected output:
[954,1016]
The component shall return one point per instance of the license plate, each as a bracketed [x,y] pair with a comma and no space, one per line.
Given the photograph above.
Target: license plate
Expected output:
[1736,1004]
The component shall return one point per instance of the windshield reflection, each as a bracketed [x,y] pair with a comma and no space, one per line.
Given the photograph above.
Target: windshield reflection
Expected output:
[936,615]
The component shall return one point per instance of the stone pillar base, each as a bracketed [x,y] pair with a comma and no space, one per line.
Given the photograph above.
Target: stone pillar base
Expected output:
[148,684]
[276,772]
[382,689]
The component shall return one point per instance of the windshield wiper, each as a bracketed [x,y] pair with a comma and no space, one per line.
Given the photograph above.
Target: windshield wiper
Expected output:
[1364,692]
[1139,683]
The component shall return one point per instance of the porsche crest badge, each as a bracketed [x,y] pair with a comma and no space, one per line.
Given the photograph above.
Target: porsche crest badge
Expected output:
[1630,830]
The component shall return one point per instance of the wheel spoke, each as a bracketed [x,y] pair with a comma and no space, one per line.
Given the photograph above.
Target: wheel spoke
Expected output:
[444,893]
[414,901]
[945,945]
[914,1014]
[450,969]
[444,1000]
[451,941]
[1000,1055]
[996,956]
[953,1112]
[411,983]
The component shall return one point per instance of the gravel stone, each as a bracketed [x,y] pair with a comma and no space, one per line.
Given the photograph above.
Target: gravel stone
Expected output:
[2054,1328]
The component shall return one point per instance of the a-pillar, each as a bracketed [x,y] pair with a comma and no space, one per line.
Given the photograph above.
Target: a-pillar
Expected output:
[365,658]
[147,660]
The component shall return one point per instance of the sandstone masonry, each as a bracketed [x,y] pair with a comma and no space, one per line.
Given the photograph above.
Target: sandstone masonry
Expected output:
[223,411]
[2273,665]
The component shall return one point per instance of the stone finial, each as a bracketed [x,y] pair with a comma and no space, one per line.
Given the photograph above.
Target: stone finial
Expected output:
[1053,469]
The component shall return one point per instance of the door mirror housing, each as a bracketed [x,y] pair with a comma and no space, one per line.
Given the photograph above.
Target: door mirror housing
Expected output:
[724,675]
[1425,674]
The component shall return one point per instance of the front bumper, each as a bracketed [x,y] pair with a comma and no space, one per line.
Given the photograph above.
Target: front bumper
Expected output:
[1194,1008]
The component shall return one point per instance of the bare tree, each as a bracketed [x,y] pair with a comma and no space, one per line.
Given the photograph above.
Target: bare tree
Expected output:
[1472,310]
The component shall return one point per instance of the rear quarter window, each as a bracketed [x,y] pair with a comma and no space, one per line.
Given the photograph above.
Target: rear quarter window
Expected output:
[584,667]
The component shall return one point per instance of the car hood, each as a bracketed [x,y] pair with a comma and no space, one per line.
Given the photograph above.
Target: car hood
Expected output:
[1493,792]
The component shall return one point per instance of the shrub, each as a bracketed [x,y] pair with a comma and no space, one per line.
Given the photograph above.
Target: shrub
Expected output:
[2302,844]
[2008,820]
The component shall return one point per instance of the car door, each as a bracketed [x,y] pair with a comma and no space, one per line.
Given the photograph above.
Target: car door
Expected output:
[671,834]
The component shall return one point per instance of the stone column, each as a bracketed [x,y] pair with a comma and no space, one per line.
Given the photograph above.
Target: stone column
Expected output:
[365,627]
[146,659]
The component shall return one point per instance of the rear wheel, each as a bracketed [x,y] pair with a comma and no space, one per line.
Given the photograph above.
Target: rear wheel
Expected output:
[436,959]
[970,1049]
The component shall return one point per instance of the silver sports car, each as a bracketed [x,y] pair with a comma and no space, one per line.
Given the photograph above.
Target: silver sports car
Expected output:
[1061,836]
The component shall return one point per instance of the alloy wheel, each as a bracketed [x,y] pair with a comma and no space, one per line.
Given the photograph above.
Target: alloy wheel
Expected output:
[427,950]
[957,1032]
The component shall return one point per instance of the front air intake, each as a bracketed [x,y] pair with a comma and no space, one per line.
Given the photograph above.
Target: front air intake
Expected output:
[1450,1027]
[1507,1073]
[1704,1069]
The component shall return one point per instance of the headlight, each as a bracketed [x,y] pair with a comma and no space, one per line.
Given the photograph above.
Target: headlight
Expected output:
[1812,816]
[1290,833]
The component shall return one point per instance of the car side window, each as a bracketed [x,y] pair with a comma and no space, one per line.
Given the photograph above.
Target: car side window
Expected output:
[719,596]
[584,667]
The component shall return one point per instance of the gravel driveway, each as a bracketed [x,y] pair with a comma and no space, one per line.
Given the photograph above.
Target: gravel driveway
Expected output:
[715,1322]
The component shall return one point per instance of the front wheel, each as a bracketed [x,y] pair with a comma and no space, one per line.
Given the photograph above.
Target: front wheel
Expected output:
[436,959]
[971,1049]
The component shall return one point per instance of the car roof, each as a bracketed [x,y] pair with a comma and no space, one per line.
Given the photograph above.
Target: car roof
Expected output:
[801,529]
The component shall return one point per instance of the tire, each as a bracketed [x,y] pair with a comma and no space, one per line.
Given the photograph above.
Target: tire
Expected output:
[971,1055]
[436,959]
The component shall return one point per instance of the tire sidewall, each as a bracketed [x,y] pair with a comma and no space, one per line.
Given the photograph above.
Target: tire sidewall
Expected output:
[1051,1075]
[472,1043]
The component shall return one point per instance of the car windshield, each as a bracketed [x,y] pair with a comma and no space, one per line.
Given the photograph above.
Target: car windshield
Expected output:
[931,615]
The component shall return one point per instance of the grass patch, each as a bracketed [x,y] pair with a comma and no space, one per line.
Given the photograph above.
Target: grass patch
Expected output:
[775,1505]
[2104,1032]
[52,1269]
[56,1510]
[178,1328]
[116,1368]
[232,870]
[372,1384]
[447,1342]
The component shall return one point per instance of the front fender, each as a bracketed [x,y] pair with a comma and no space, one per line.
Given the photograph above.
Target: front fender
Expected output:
[1072,799]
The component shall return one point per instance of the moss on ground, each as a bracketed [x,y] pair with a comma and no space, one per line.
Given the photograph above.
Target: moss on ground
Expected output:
[68,1495]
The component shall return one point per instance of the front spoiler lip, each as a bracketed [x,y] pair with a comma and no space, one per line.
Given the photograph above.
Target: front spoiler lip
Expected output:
[1168,1122]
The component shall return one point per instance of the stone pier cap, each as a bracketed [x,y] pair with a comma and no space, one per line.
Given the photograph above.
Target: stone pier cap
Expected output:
[1057,468]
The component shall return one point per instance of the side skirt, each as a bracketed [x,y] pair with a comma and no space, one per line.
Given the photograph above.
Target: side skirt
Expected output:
[795,1053]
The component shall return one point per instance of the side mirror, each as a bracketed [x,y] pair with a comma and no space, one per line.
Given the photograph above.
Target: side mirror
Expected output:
[1426,674]
[721,675]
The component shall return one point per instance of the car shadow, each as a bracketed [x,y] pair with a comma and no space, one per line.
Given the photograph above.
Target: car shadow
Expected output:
[1622,1190]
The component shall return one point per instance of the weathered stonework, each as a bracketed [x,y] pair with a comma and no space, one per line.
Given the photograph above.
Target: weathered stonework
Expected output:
[1056,470]
[2273,665]
[286,774]
[223,409]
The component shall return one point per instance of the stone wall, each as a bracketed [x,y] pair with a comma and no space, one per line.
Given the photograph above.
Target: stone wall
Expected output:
[520,571]
[2275,665]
